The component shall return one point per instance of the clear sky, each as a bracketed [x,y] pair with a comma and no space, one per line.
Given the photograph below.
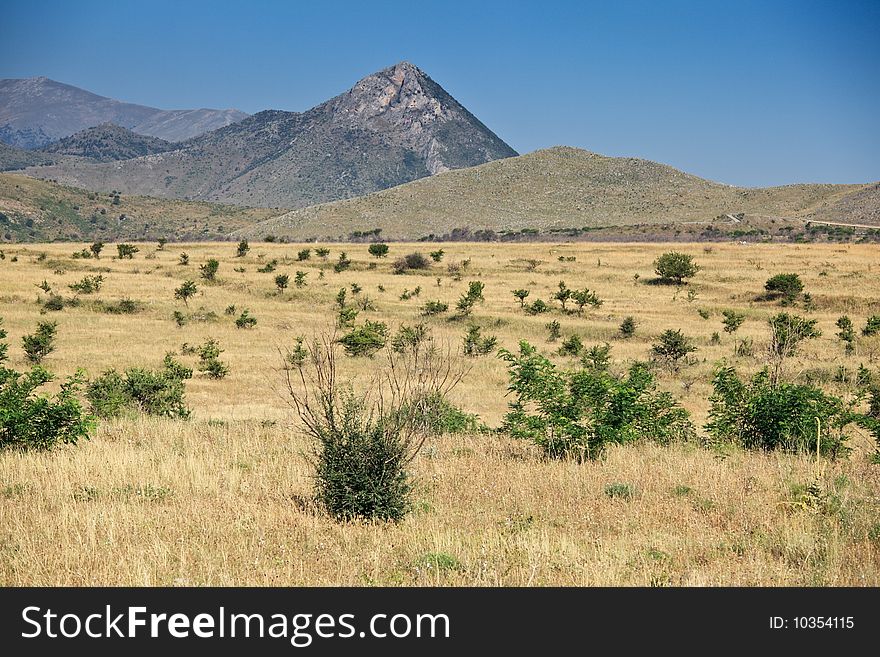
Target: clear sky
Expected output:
[746,92]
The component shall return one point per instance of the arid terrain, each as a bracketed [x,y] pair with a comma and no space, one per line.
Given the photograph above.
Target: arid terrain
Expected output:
[225,498]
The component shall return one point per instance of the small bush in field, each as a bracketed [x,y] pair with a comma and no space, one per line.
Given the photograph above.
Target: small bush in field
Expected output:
[343,263]
[124,306]
[299,279]
[30,421]
[365,340]
[675,266]
[242,250]
[434,308]
[847,333]
[537,307]
[378,250]
[209,269]
[576,414]
[554,330]
[476,344]
[269,267]
[571,346]
[303,255]
[209,359]
[322,252]
[520,296]
[467,300]
[41,343]
[409,337]
[627,327]
[126,251]
[785,287]
[437,255]
[153,392]
[872,326]
[88,284]
[96,249]
[186,291]
[245,320]
[415,260]
[183,259]
[281,282]
[672,347]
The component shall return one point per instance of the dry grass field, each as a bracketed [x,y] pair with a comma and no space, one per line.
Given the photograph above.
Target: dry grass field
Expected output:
[225,497]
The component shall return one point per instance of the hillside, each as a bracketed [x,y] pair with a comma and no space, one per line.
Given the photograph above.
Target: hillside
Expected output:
[392,127]
[37,111]
[108,142]
[34,210]
[12,158]
[551,189]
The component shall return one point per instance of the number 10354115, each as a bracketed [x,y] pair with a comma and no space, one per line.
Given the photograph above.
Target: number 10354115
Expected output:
[812,622]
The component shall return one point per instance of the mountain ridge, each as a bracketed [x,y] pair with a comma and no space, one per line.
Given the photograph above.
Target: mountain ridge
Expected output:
[391,127]
[37,111]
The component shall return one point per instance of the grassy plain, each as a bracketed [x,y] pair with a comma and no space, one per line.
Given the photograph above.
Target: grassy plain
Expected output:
[224,498]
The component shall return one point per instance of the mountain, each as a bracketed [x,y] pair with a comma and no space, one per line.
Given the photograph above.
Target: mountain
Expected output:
[560,188]
[33,210]
[108,142]
[18,158]
[37,111]
[392,127]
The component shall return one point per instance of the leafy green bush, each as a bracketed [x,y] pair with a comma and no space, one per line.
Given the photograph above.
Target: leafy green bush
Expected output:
[126,251]
[468,299]
[434,308]
[378,250]
[537,307]
[186,291]
[41,343]
[476,344]
[245,320]
[571,346]
[365,340]
[554,330]
[872,326]
[322,252]
[208,270]
[576,414]
[124,306]
[303,255]
[627,327]
[409,337]
[585,297]
[760,415]
[299,278]
[675,267]
[153,392]
[672,347]
[209,359]
[786,287]
[847,333]
[343,263]
[520,296]
[269,267]
[242,250]
[88,284]
[437,255]
[30,421]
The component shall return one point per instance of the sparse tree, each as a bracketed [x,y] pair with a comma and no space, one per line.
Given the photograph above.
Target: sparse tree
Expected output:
[242,250]
[786,334]
[126,251]
[281,282]
[378,250]
[521,296]
[96,249]
[186,291]
[209,269]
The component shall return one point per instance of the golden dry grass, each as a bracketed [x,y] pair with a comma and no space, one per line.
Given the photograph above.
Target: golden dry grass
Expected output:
[224,498]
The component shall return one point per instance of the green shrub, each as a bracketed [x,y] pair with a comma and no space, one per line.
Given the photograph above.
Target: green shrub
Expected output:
[186,291]
[872,326]
[672,347]
[245,320]
[126,251]
[618,490]
[520,296]
[411,261]
[437,255]
[585,297]
[554,330]
[96,249]
[365,340]
[846,333]
[597,358]
[434,308]
[88,284]
[627,327]
[54,303]
[537,307]
[322,252]
[576,414]
[786,287]
[786,334]
[467,300]
[208,270]
[153,392]
[242,250]
[183,259]
[281,282]
[269,267]
[760,415]
[563,294]
[299,279]
[209,359]
[409,337]
[4,348]
[378,250]
[675,267]
[342,264]
[571,346]
[124,306]
[41,343]
[30,421]
[303,255]
[476,344]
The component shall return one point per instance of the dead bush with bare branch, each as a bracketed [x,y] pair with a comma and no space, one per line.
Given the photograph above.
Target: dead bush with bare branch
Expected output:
[364,441]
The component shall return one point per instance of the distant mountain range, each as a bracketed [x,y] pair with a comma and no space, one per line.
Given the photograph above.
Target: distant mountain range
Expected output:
[392,127]
[394,152]
[37,111]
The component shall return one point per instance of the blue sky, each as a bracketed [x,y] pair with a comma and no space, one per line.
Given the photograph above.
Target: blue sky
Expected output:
[749,93]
